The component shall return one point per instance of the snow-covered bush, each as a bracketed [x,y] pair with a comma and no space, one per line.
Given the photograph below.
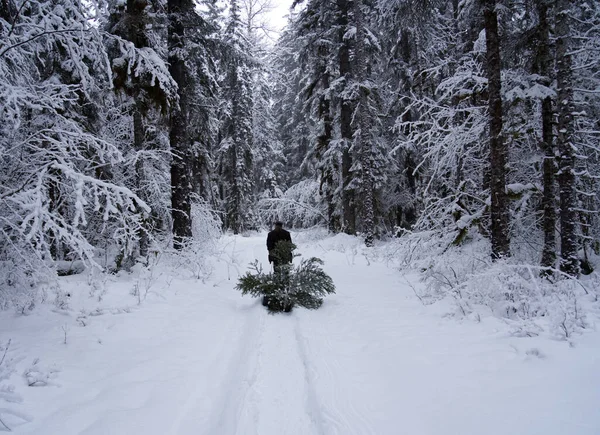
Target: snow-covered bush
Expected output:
[198,252]
[38,375]
[9,417]
[510,289]
[26,281]
[19,285]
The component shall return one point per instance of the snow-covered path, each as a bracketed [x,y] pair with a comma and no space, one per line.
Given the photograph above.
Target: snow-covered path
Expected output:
[372,360]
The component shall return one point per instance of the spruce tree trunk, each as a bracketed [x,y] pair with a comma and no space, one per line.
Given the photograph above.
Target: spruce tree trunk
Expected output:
[136,22]
[181,184]
[138,144]
[346,131]
[133,28]
[498,149]
[233,215]
[135,9]
[569,262]
[8,10]
[137,35]
[361,143]
[324,144]
[54,201]
[234,199]
[549,166]
[233,203]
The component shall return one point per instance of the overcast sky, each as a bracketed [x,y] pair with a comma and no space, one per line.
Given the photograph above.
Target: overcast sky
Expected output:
[278,14]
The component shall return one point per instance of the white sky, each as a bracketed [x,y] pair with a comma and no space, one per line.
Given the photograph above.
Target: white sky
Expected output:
[277,16]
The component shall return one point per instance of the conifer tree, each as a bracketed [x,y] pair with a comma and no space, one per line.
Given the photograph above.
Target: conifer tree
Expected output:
[206,49]
[236,137]
[62,196]
[287,286]
[346,100]
[147,89]
[569,244]
[547,143]
[500,229]
[318,64]
[181,14]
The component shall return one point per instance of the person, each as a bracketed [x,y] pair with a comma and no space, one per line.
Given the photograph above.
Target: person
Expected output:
[275,236]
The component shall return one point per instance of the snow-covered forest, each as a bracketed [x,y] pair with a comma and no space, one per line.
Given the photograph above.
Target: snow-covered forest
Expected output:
[127,124]
[455,142]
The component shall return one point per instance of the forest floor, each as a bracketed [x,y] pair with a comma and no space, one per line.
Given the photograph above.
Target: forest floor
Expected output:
[198,358]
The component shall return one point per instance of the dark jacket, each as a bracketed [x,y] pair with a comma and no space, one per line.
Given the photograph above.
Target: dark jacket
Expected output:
[277,235]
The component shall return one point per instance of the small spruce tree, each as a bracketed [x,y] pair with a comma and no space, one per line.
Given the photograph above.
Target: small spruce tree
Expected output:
[305,285]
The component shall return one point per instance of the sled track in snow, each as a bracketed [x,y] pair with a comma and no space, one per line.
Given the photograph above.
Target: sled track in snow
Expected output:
[339,417]
[232,372]
[313,407]
[240,378]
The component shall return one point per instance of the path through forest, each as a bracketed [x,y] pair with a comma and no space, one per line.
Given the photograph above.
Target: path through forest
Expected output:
[371,360]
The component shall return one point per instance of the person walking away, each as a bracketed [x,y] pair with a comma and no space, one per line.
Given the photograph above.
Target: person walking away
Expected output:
[273,238]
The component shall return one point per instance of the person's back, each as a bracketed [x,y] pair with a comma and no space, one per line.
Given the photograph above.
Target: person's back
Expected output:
[274,237]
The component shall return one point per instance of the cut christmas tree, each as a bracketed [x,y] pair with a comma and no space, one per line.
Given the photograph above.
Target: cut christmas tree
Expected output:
[288,285]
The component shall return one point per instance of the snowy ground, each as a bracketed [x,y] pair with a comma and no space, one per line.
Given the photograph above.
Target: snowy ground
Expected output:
[198,359]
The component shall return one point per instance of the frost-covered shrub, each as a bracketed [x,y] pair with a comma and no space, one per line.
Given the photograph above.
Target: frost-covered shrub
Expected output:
[509,289]
[25,281]
[10,418]
[206,225]
[18,286]
[38,375]
[413,250]
[198,252]
[528,297]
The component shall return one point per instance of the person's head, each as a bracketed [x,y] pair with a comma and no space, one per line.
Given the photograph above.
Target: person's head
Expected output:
[278,225]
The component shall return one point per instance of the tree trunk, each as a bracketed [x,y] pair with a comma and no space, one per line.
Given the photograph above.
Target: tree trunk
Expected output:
[54,206]
[234,212]
[498,149]
[180,177]
[136,22]
[8,10]
[549,167]
[324,141]
[569,262]
[361,142]
[138,145]
[234,198]
[137,17]
[346,109]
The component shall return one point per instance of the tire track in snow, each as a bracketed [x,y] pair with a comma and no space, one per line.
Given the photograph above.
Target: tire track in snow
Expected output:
[340,416]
